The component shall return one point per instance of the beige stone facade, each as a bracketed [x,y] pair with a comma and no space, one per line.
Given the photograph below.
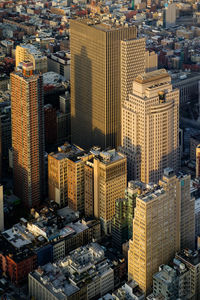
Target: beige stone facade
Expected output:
[109,184]
[150,127]
[156,233]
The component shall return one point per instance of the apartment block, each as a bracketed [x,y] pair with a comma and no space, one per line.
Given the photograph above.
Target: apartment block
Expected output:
[109,184]
[150,127]
[172,282]
[58,172]
[84,274]
[27,134]
[156,231]
[191,259]
[28,52]
[151,61]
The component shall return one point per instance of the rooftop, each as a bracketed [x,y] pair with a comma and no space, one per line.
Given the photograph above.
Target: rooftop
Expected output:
[17,255]
[103,25]
[152,194]
[78,268]
[69,151]
[107,156]
[33,50]
[192,257]
[151,76]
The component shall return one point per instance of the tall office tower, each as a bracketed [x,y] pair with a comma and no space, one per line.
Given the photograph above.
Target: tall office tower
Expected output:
[109,185]
[95,81]
[156,234]
[198,161]
[27,134]
[132,64]
[28,52]
[58,172]
[187,207]
[150,127]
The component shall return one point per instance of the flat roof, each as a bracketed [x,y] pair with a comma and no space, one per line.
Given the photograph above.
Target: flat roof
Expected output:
[151,76]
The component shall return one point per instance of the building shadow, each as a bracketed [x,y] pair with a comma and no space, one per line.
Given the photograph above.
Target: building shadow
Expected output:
[81,117]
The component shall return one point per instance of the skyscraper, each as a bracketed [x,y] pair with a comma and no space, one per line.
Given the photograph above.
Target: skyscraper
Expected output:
[156,231]
[150,127]
[132,64]
[27,134]
[95,81]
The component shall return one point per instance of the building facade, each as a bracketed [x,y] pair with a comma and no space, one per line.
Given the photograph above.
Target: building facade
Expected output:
[172,283]
[58,172]
[156,231]
[95,78]
[132,64]
[150,127]
[109,184]
[191,259]
[27,134]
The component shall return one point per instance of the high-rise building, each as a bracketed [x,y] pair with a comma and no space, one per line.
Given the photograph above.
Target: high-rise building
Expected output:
[58,172]
[170,15]
[95,81]
[27,134]
[76,181]
[28,52]
[150,127]
[198,161]
[109,184]
[132,64]
[186,207]
[156,231]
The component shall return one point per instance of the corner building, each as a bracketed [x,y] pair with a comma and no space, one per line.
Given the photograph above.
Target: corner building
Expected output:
[27,134]
[95,82]
[150,127]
